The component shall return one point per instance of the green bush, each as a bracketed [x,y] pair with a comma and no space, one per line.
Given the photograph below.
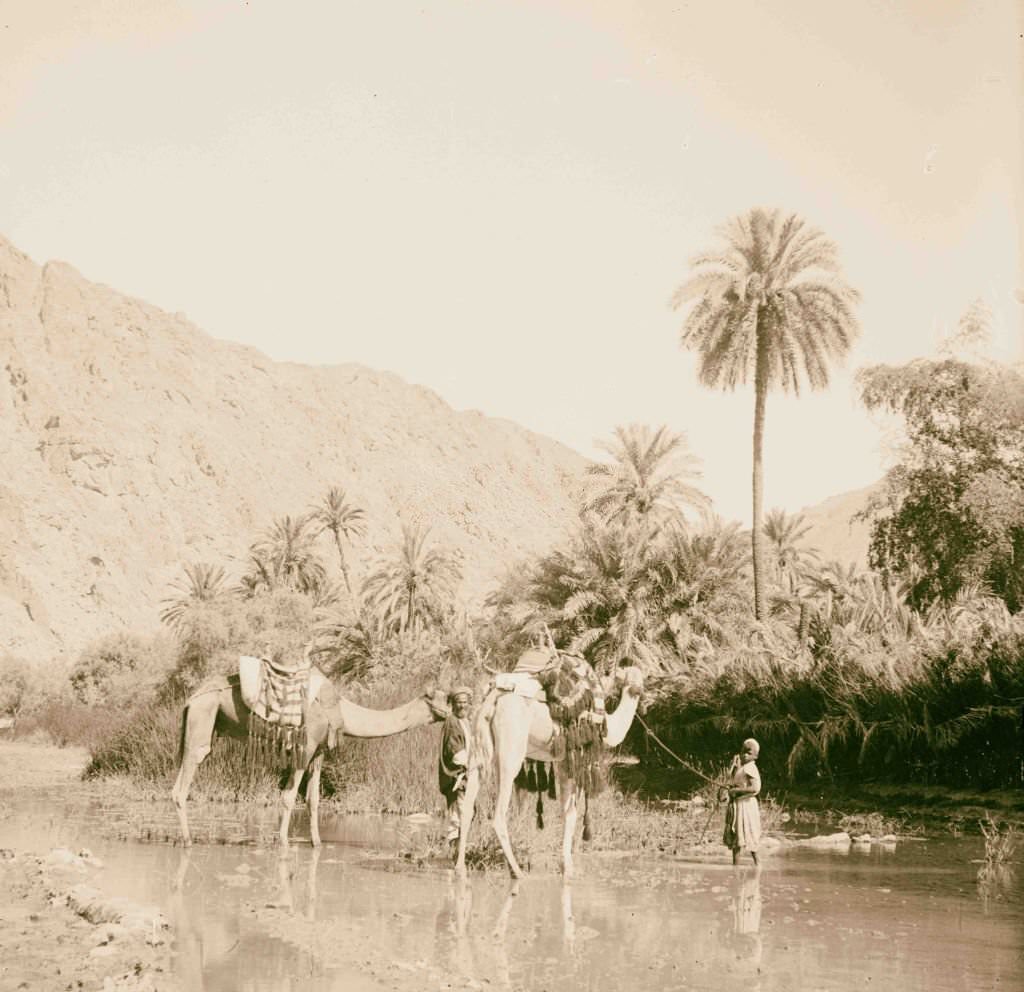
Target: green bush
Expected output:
[948,714]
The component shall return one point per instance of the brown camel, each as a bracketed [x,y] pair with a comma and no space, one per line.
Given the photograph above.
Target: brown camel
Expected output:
[218,707]
[511,728]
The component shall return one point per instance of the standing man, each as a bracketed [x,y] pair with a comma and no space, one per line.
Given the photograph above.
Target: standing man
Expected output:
[454,759]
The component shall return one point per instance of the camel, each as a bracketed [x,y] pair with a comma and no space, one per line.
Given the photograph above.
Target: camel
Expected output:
[511,728]
[218,707]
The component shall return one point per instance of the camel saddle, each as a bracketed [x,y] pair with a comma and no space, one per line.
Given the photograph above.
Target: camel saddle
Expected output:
[279,693]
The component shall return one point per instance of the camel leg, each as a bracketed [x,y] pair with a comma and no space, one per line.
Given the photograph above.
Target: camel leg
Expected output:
[510,760]
[198,719]
[468,807]
[570,811]
[288,796]
[313,799]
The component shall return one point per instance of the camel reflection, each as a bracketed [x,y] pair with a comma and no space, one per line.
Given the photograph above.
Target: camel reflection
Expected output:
[188,940]
[288,894]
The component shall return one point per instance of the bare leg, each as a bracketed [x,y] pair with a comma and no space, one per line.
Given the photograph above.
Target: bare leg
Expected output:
[753,854]
[468,806]
[313,799]
[735,855]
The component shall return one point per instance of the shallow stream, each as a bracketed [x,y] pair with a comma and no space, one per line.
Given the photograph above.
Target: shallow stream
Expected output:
[357,917]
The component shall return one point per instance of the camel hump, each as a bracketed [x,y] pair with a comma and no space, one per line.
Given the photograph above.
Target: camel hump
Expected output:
[533,661]
[520,683]
[249,671]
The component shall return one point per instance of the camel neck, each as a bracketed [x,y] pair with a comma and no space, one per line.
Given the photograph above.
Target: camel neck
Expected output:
[620,719]
[360,721]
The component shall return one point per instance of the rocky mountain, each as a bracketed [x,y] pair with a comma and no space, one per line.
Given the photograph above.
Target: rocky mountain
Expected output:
[132,443]
[835,532]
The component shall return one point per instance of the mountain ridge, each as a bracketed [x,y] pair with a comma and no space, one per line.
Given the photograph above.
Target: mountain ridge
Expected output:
[134,442]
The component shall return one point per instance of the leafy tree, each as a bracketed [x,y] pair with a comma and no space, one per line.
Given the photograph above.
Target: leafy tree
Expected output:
[344,521]
[769,306]
[648,479]
[952,510]
[15,685]
[414,587]
[120,669]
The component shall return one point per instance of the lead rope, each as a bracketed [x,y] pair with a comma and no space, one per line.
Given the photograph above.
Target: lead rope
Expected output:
[696,771]
[722,786]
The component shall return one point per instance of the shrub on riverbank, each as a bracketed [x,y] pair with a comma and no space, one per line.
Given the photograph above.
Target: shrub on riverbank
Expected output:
[941,710]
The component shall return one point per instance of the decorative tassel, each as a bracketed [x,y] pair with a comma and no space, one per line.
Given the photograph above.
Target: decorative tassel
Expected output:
[540,810]
[587,833]
[542,775]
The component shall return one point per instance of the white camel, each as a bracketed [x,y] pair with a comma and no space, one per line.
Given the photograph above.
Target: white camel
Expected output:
[511,728]
[219,708]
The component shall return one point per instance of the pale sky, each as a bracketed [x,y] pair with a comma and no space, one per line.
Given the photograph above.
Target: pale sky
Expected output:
[496,199]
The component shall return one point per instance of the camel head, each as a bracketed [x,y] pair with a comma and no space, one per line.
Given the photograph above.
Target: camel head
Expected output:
[629,679]
[437,702]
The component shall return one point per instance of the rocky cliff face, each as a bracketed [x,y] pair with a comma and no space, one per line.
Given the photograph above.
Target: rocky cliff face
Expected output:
[834,529]
[132,443]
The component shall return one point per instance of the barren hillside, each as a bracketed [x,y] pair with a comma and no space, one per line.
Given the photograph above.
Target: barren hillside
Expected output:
[835,533]
[132,442]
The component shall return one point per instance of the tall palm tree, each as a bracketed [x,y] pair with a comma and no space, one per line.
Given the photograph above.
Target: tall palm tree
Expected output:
[416,585]
[286,556]
[648,479]
[202,583]
[769,305]
[344,520]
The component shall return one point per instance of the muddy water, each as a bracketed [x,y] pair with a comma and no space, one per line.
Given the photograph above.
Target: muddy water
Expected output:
[355,917]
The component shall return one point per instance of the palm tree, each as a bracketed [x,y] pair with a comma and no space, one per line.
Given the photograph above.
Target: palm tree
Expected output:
[602,596]
[704,583]
[770,305]
[202,583]
[285,556]
[647,481]
[416,585]
[791,558]
[344,521]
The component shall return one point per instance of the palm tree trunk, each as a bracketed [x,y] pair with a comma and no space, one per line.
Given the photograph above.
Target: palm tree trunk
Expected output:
[341,561]
[757,535]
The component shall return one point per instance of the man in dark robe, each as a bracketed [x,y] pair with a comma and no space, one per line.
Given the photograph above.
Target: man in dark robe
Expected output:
[454,759]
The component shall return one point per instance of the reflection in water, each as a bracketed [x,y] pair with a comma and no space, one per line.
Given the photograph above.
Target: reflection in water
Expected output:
[246,920]
[291,893]
[451,928]
[745,937]
[996,882]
